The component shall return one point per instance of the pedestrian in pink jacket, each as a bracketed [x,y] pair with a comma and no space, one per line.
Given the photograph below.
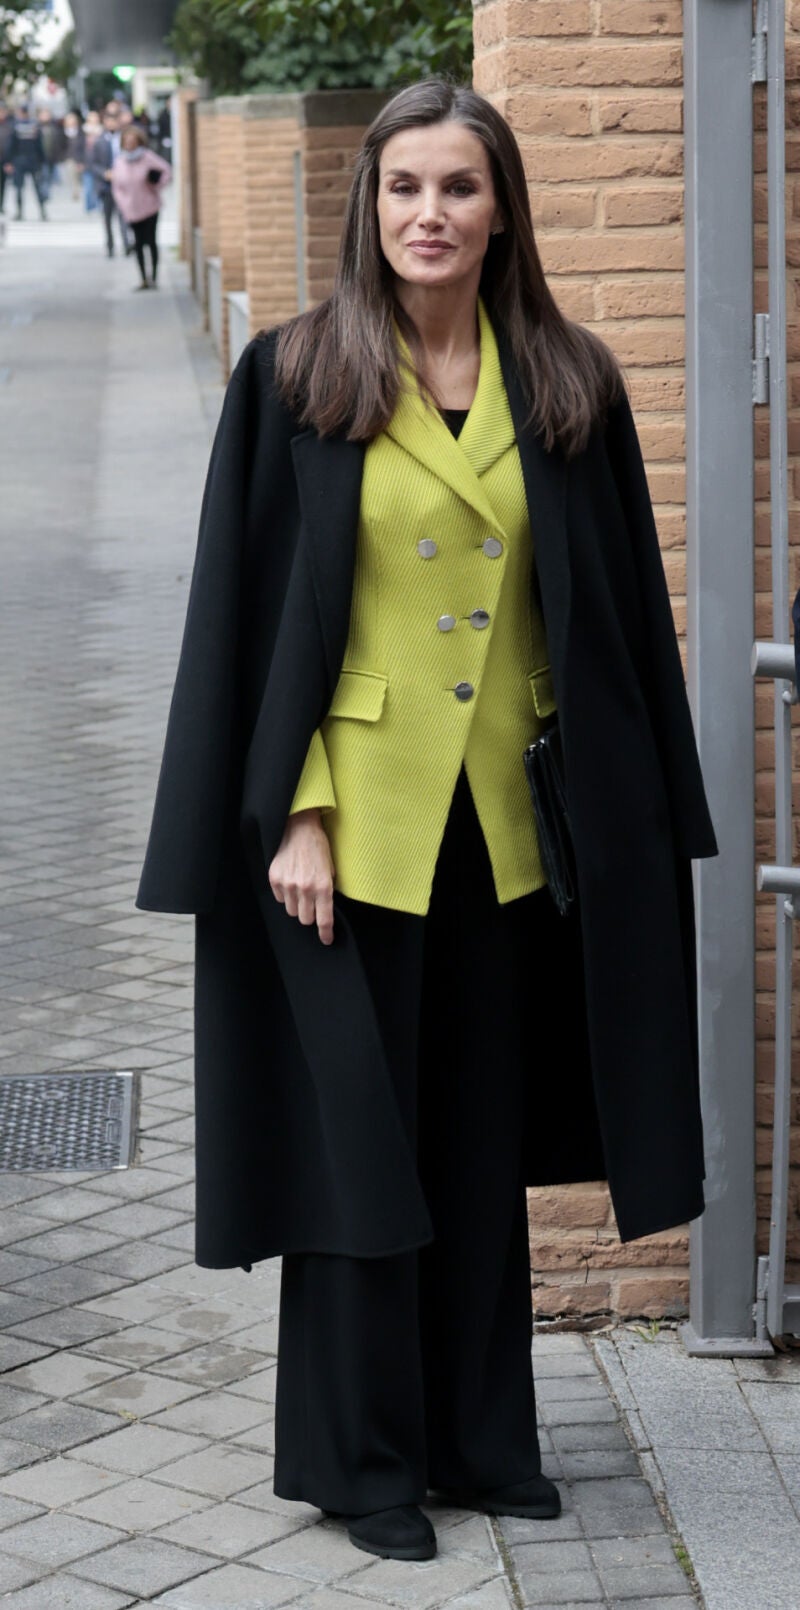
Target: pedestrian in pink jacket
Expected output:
[137,180]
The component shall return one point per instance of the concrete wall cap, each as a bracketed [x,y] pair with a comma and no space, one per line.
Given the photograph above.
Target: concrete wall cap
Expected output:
[230,105]
[319,109]
[206,109]
[271,106]
[341,108]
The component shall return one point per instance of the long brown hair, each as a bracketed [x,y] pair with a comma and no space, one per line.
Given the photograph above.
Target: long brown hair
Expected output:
[337,365]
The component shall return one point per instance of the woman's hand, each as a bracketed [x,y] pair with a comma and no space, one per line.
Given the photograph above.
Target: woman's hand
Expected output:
[302,872]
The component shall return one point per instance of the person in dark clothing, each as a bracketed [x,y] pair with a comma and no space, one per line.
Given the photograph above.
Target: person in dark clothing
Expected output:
[25,156]
[6,126]
[53,148]
[105,151]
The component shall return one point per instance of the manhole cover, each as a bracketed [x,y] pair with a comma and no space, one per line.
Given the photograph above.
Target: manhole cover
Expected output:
[59,1121]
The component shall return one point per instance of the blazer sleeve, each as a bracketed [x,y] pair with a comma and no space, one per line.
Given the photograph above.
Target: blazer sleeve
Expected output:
[315,787]
[184,848]
[669,704]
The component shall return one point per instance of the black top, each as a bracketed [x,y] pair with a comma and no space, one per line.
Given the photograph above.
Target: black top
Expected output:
[454,418]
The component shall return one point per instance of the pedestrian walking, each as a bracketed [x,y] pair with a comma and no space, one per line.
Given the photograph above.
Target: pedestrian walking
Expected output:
[105,151]
[25,158]
[427,536]
[52,148]
[138,178]
[74,153]
[6,129]
[92,129]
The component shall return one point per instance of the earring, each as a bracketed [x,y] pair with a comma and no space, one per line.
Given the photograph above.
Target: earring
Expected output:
[498,230]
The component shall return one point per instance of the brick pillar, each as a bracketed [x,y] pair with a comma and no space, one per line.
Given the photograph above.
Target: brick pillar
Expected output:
[298,156]
[230,160]
[271,138]
[333,126]
[187,149]
[593,91]
[207,176]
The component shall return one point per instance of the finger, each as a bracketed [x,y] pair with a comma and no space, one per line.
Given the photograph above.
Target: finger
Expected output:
[277,890]
[306,907]
[290,900]
[325,916]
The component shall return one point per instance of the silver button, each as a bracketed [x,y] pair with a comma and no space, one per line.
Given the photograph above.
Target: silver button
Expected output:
[492,547]
[463,690]
[479,618]
[427,548]
[446,623]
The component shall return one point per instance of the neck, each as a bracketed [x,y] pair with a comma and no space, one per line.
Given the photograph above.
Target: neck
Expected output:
[446,317]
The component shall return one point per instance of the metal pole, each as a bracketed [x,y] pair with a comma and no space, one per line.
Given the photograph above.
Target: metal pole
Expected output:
[719,515]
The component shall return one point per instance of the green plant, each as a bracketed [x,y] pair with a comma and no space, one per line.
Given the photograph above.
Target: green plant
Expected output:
[19,57]
[65,60]
[322,44]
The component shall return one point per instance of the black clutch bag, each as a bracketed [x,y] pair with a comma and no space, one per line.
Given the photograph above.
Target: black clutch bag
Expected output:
[544,768]
[153,175]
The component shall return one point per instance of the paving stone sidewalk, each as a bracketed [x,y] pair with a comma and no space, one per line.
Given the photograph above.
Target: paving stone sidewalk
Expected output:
[137,1391]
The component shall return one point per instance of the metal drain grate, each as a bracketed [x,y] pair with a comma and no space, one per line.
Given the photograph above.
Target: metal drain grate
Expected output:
[83,1120]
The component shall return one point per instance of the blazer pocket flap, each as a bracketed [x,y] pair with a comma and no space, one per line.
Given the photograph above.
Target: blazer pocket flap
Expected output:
[359,695]
[543,692]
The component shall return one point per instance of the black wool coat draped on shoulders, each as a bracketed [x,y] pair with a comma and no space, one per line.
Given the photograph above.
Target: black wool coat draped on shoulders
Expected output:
[300,1144]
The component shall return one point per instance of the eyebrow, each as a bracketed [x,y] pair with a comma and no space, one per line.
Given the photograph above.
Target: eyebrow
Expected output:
[458,173]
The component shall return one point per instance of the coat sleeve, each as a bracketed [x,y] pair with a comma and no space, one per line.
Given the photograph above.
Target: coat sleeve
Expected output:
[669,704]
[184,848]
[315,787]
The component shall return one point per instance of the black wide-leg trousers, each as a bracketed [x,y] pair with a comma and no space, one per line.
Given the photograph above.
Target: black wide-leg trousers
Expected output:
[402,1373]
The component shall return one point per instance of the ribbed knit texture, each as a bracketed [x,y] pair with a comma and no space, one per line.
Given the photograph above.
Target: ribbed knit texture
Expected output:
[384,766]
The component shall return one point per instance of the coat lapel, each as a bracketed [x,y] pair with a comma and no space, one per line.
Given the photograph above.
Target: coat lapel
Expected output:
[545,476]
[328,471]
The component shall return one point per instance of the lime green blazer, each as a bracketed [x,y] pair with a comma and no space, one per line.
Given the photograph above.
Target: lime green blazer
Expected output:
[446,660]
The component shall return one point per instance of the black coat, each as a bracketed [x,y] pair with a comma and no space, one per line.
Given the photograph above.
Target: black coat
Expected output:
[300,1144]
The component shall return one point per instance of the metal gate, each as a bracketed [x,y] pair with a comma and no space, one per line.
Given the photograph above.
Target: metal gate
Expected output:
[733,363]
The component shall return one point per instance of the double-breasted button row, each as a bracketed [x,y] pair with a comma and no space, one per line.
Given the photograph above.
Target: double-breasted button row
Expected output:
[478,618]
[427,548]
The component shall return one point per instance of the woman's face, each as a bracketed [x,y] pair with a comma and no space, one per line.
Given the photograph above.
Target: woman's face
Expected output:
[436,204]
[129,140]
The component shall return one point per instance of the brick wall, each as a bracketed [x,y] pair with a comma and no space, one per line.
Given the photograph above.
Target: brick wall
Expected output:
[333,126]
[272,135]
[593,91]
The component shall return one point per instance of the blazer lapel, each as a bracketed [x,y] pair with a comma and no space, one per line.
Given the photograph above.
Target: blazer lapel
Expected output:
[545,477]
[419,429]
[328,471]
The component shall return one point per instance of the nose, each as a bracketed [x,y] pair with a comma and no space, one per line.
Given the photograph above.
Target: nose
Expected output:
[430,214]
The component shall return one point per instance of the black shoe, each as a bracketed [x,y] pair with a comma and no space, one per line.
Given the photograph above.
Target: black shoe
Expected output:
[537,1499]
[402,1533]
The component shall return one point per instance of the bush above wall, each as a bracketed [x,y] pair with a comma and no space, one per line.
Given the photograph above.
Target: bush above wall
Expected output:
[322,44]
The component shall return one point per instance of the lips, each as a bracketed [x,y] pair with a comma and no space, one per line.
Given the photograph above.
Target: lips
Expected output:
[429,248]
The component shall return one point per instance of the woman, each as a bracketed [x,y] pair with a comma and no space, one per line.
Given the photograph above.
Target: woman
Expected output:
[138,176]
[426,529]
